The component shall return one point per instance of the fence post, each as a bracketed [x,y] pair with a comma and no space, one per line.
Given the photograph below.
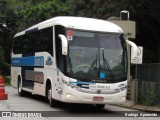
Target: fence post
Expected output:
[136,92]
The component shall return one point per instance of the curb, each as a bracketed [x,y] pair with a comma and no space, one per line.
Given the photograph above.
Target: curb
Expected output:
[141,108]
[146,108]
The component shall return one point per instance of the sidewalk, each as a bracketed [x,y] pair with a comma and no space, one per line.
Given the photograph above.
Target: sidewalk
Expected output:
[130,104]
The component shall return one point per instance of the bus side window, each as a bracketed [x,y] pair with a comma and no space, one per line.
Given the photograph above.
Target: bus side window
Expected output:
[44,40]
[18,45]
[37,41]
[59,57]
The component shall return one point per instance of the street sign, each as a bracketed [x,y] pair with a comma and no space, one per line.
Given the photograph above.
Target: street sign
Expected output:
[138,59]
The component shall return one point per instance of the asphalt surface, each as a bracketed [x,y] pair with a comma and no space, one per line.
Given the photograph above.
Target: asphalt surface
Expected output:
[35,106]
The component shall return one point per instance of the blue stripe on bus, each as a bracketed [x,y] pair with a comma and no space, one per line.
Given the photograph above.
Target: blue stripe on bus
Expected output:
[81,83]
[28,61]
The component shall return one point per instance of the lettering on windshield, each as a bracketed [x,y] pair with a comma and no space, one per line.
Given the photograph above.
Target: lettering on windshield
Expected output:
[83,34]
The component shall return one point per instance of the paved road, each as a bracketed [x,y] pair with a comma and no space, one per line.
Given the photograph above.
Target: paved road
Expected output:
[64,111]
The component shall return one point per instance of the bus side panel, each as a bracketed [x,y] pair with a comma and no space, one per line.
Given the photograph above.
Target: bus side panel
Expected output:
[15,72]
[40,87]
[49,73]
[39,75]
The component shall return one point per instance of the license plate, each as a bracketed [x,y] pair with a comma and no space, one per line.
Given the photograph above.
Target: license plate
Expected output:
[97,98]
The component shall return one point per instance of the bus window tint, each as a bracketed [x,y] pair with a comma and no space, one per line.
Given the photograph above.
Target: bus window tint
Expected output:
[60,58]
[37,41]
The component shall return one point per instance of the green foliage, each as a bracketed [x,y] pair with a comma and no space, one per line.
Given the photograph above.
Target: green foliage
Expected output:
[4,68]
[21,14]
[7,80]
[1,53]
[32,12]
[149,99]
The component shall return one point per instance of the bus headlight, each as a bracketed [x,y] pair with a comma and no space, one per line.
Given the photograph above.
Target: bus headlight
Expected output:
[121,87]
[68,95]
[65,82]
[74,86]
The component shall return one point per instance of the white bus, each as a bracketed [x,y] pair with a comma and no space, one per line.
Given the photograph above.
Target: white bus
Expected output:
[72,59]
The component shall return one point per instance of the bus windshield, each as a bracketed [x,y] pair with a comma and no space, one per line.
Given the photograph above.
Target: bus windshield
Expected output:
[96,55]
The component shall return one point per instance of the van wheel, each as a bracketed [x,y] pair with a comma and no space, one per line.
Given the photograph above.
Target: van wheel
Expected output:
[100,106]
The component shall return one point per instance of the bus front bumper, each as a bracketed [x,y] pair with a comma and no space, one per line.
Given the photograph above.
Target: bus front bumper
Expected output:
[73,96]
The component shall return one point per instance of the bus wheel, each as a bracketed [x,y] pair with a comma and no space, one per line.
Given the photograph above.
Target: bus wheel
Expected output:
[20,91]
[100,106]
[52,102]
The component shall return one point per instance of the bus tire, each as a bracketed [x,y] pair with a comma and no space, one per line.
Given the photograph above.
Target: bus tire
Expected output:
[20,91]
[100,106]
[52,102]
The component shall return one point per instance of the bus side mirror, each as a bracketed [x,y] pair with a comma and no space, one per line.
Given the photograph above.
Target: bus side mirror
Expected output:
[133,49]
[64,44]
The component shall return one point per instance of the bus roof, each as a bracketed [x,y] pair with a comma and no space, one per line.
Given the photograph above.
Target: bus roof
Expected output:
[81,23]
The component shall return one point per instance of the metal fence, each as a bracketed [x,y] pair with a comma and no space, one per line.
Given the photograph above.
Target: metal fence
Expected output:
[149,72]
[148,84]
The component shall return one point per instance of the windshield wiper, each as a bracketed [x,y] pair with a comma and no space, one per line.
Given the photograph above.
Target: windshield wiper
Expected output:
[92,65]
[105,62]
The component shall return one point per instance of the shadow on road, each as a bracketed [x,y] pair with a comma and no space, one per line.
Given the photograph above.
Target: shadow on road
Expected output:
[78,110]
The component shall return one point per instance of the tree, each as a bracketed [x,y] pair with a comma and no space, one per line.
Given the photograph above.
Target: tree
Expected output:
[146,14]
[21,14]
[32,12]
